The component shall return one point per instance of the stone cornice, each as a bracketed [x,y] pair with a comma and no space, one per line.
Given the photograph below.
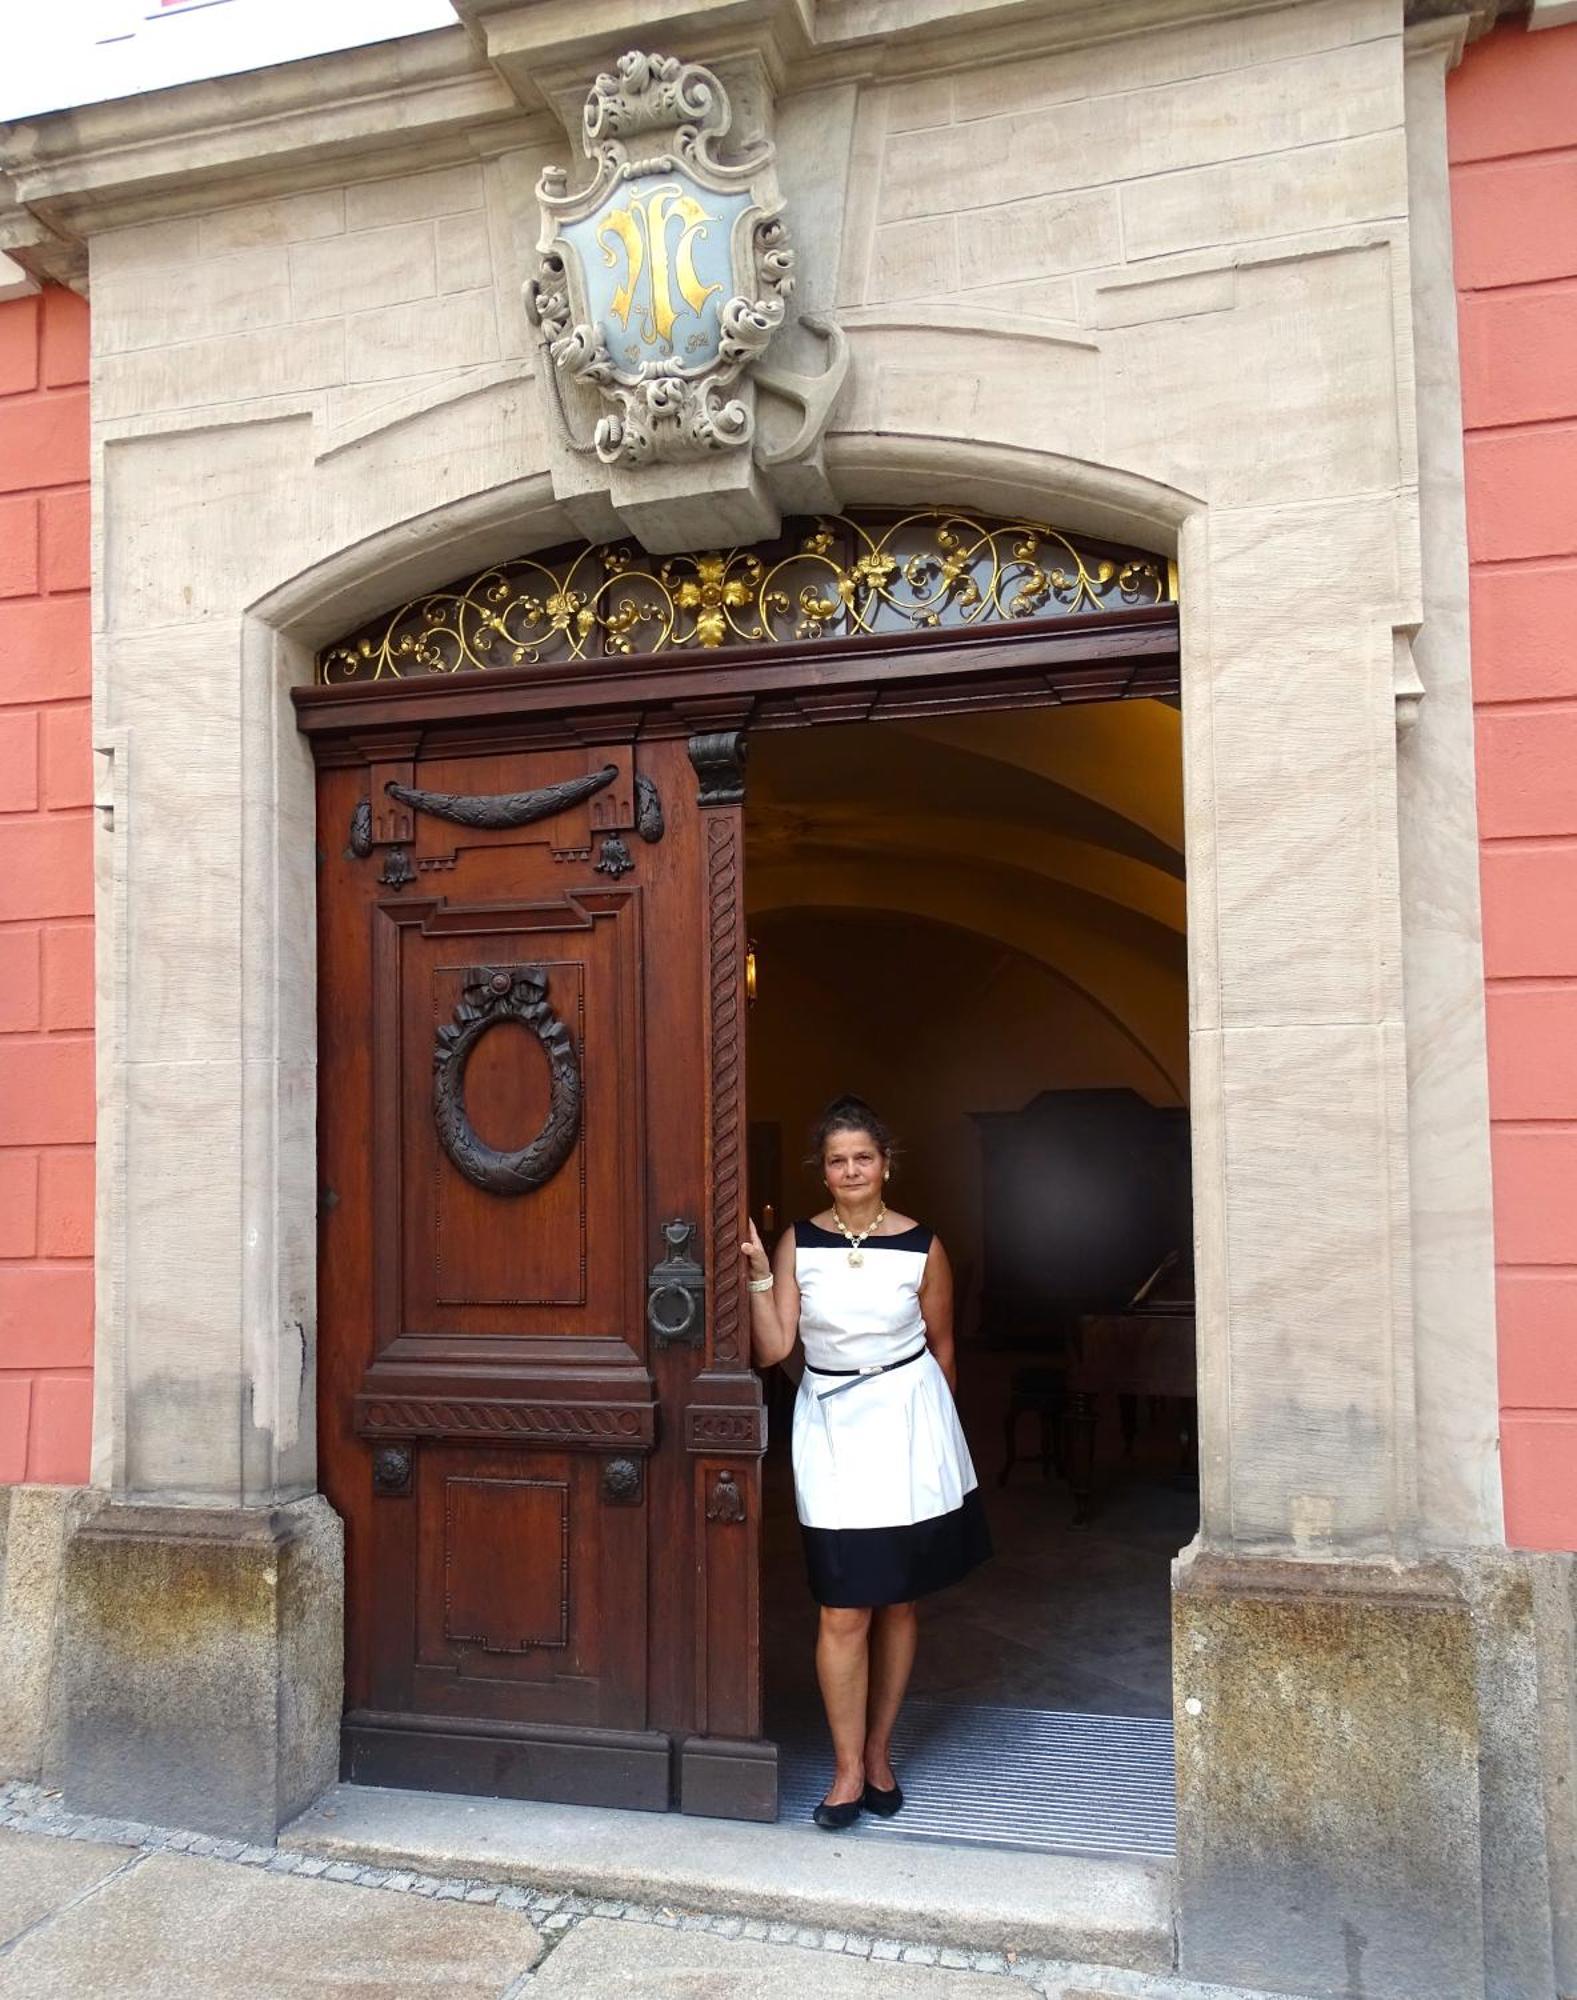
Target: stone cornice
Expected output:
[424,101]
[502,79]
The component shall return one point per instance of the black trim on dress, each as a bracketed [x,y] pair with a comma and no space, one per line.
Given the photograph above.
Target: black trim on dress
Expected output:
[811,1236]
[853,1568]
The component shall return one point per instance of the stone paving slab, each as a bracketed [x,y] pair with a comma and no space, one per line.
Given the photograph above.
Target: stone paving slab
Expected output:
[641,1962]
[172,1927]
[37,1829]
[38,1874]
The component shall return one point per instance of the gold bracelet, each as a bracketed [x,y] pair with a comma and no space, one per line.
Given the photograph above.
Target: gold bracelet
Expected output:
[761,1284]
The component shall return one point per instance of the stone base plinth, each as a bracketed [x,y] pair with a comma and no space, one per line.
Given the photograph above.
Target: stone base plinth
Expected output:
[1364,1787]
[201,1669]
[37,1524]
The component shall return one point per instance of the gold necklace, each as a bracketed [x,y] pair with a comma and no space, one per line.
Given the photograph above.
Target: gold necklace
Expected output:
[856,1252]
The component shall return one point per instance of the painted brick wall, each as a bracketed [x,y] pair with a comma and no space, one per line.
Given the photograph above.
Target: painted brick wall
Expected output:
[46,894]
[1512,111]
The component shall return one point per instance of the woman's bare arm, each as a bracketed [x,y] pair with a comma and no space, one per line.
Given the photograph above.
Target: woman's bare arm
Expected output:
[936,1306]
[774,1314]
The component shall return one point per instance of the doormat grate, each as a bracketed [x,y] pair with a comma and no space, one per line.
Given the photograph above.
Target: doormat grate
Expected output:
[1008,1777]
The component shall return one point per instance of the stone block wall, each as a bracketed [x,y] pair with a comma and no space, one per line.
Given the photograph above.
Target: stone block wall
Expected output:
[358,294]
[46,894]
[1513,135]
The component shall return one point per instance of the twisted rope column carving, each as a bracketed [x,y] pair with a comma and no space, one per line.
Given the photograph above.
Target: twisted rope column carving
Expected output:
[719,760]
[727,1026]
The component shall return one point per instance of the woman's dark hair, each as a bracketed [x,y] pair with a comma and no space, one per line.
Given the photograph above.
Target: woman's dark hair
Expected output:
[848,1114]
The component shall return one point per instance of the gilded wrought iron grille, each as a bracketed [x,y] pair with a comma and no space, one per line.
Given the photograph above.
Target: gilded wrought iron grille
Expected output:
[832,577]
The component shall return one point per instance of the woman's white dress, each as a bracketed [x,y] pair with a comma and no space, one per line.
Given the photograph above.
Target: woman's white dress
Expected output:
[888,1502]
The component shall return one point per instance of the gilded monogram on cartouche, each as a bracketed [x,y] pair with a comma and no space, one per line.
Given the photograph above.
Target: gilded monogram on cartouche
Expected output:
[662,281]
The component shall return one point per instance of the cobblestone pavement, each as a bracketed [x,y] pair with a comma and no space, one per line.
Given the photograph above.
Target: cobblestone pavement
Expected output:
[98,1909]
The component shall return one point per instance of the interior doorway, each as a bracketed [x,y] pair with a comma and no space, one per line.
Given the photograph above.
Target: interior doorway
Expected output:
[977,923]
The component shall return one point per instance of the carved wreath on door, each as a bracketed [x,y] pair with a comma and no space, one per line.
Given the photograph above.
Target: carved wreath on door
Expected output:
[494,994]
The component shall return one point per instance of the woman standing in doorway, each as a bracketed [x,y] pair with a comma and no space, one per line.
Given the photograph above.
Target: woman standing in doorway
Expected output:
[887,1498]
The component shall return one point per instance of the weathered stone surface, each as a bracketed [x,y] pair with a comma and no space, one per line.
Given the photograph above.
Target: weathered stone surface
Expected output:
[36,1523]
[1328,1747]
[649,1963]
[186,1929]
[1513,1775]
[1459,1482]
[202,1665]
[1555,1617]
[38,1873]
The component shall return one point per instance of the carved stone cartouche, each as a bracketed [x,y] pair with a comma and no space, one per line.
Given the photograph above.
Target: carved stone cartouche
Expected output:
[692,270]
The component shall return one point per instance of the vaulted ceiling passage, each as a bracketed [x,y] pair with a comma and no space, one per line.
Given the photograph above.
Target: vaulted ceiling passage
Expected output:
[1045,843]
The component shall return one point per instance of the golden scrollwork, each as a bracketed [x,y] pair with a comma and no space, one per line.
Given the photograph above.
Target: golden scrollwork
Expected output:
[832,577]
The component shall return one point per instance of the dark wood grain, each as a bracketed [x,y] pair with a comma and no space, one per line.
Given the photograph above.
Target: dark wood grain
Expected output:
[509,1588]
[1102,656]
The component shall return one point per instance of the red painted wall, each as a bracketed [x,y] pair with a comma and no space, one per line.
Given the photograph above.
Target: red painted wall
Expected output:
[1512,117]
[46,894]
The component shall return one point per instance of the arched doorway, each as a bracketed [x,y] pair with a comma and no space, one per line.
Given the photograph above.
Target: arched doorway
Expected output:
[536,1410]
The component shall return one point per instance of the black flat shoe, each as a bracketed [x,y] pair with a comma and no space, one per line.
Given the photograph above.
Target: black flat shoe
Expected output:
[883,1804]
[833,1819]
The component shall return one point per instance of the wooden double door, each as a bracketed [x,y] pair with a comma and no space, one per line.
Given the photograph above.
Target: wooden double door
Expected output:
[537,1414]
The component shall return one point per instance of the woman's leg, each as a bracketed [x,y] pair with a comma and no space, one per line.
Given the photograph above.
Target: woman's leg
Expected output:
[843,1669]
[894,1633]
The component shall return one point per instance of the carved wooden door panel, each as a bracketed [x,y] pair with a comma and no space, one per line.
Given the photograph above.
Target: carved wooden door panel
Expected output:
[537,1417]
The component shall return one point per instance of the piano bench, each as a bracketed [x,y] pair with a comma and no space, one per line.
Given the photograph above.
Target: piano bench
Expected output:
[1041,1392]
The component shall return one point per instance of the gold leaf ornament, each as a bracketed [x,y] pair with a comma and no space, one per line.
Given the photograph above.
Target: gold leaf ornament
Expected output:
[830,577]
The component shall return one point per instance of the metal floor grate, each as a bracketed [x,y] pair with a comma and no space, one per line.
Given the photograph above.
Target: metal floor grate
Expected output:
[1009,1777]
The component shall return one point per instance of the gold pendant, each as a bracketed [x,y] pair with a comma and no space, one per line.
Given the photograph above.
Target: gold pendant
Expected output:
[856,1256]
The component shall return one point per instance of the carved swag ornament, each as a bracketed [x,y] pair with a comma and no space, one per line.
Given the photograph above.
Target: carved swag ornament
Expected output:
[666,278]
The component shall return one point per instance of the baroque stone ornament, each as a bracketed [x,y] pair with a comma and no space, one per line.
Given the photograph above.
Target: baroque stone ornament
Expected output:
[491,996]
[665,279]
